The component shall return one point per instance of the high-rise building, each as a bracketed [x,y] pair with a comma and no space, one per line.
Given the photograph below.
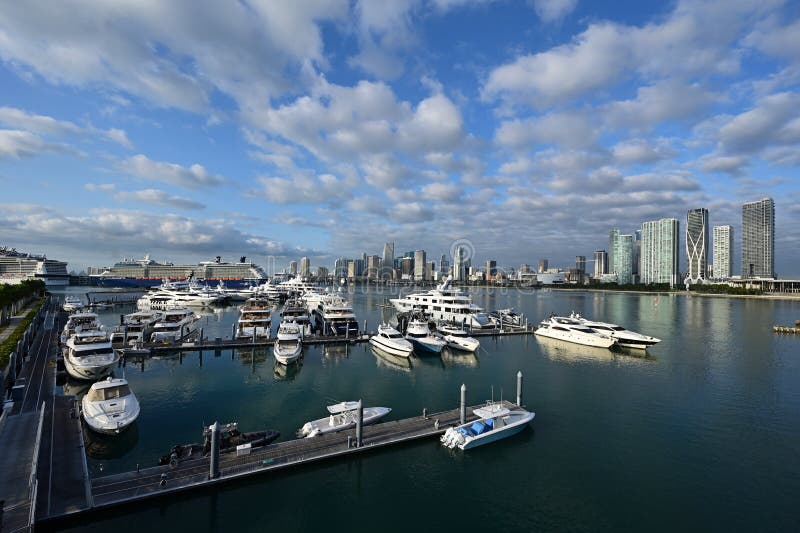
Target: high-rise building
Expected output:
[460,264]
[758,239]
[340,268]
[407,267]
[305,267]
[388,260]
[351,269]
[419,265]
[612,243]
[430,267]
[322,272]
[580,267]
[543,266]
[637,253]
[491,269]
[444,265]
[600,263]
[697,245]
[623,257]
[659,261]
[373,266]
[293,268]
[723,252]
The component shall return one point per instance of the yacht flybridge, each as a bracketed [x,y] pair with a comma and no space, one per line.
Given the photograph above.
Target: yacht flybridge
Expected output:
[445,303]
[88,355]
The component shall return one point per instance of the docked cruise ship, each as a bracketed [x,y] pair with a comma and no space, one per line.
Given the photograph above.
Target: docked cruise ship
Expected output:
[148,273]
[16,267]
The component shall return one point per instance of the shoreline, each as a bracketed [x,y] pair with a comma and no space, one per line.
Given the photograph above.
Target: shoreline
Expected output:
[772,296]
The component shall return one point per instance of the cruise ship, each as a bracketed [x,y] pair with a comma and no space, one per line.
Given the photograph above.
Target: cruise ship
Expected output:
[148,273]
[16,267]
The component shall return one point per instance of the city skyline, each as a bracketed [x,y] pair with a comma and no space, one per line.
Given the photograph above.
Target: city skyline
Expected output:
[326,129]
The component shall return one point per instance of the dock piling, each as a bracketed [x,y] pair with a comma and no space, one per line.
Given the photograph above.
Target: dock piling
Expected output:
[463,408]
[214,463]
[519,388]
[359,424]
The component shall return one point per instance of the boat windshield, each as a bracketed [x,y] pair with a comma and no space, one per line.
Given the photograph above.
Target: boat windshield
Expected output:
[394,335]
[417,335]
[96,351]
[108,393]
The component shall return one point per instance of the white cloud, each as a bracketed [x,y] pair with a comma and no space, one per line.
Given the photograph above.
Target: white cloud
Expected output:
[190,177]
[18,144]
[45,125]
[158,197]
[301,189]
[573,129]
[106,187]
[639,151]
[442,192]
[658,103]
[730,164]
[775,120]
[553,10]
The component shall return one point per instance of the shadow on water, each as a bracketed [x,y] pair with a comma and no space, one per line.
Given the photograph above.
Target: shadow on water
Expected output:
[288,372]
[106,447]
[452,357]
[394,362]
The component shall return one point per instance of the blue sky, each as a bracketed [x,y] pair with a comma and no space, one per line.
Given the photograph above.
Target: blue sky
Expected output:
[190,129]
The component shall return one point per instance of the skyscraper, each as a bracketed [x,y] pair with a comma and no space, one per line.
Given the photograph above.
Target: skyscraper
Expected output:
[580,267]
[543,266]
[419,265]
[612,243]
[600,263]
[758,239]
[444,265]
[388,260]
[697,245]
[623,257]
[373,266]
[293,268]
[491,269]
[459,268]
[305,267]
[723,252]
[659,261]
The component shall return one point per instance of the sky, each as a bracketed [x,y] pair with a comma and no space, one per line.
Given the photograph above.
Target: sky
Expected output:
[324,128]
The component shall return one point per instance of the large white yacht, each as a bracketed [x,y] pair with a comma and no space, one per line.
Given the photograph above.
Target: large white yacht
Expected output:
[334,316]
[625,337]
[72,304]
[89,355]
[571,330]
[391,341]
[254,319]
[295,310]
[175,295]
[421,337]
[288,346]
[457,338]
[174,324]
[110,406]
[135,327]
[80,322]
[445,303]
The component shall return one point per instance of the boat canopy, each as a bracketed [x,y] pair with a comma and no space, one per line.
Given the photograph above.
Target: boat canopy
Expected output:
[342,407]
[491,411]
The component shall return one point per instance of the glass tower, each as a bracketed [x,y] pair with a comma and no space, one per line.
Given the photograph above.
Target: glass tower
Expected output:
[697,244]
[758,239]
[723,252]
[659,261]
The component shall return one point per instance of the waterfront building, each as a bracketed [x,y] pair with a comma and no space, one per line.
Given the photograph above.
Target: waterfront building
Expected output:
[697,245]
[373,266]
[351,269]
[600,263]
[419,265]
[612,243]
[491,269]
[293,268]
[459,264]
[388,260]
[723,252]
[360,266]
[543,266]
[623,257]
[580,268]
[637,254]
[406,267]
[758,239]
[524,268]
[444,265]
[305,267]
[430,268]
[322,272]
[659,262]
[340,268]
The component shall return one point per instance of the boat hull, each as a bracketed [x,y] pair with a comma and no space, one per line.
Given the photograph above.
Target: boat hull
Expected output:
[492,436]
[391,348]
[585,340]
[89,371]
[286,354]
[427,346]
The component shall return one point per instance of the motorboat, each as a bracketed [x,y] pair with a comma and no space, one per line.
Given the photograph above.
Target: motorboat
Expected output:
[335,316]
[495,422]
[110,406]
[72,304]
[135,328]
[391,341]
[458,338]
[175,295]
[254,319]
[625,337]
[80,322]
[342,416]
[88,355]
[571,330]
[295,310]
[174,325]
[447,303]
[230,438]
[421,337]
[506,317]
[288,346]
[237,295]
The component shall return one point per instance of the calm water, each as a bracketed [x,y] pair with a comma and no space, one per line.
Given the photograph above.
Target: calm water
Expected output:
[701,434]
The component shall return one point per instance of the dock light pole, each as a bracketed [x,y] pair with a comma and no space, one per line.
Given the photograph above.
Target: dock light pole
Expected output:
[519,388]
[214,463]
[359,424]
[463,410]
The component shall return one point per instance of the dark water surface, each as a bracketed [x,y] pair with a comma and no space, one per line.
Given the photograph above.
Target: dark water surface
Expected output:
[703,433]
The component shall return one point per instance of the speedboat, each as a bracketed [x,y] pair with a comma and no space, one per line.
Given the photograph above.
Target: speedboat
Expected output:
[625,337]
[80,322]
[230,438]
[571,330]
[457,338]
[391,341]
[288,346]
[254,319]
[72,304]
[135,327]
[89,355]
[110,406]
[342,416]
[174,325]
[420,335]
[495,422]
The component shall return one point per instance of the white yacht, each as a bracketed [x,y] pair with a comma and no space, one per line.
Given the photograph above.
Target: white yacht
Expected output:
[625,338]
[495,422]
[176,295]
[72,304]
[421,337]
[457,338]
[238,295]
[571,330]
[174,324]
[506,317]
[342,416]
[288,346]
[110,406]
[254,319]
[80,322]
[335,316]
[391,341]
[295,310]
[89,355]
[445,303]
[297,286]
[135,327]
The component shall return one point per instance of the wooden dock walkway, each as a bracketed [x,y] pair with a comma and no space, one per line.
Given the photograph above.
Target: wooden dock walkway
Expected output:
[151,482]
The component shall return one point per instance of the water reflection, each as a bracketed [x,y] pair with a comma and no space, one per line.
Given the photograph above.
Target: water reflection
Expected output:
[287,372]
[73,387]
[253,355]
[335,352]
[568,352]
[452,357]
[387,360]
[106,447]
